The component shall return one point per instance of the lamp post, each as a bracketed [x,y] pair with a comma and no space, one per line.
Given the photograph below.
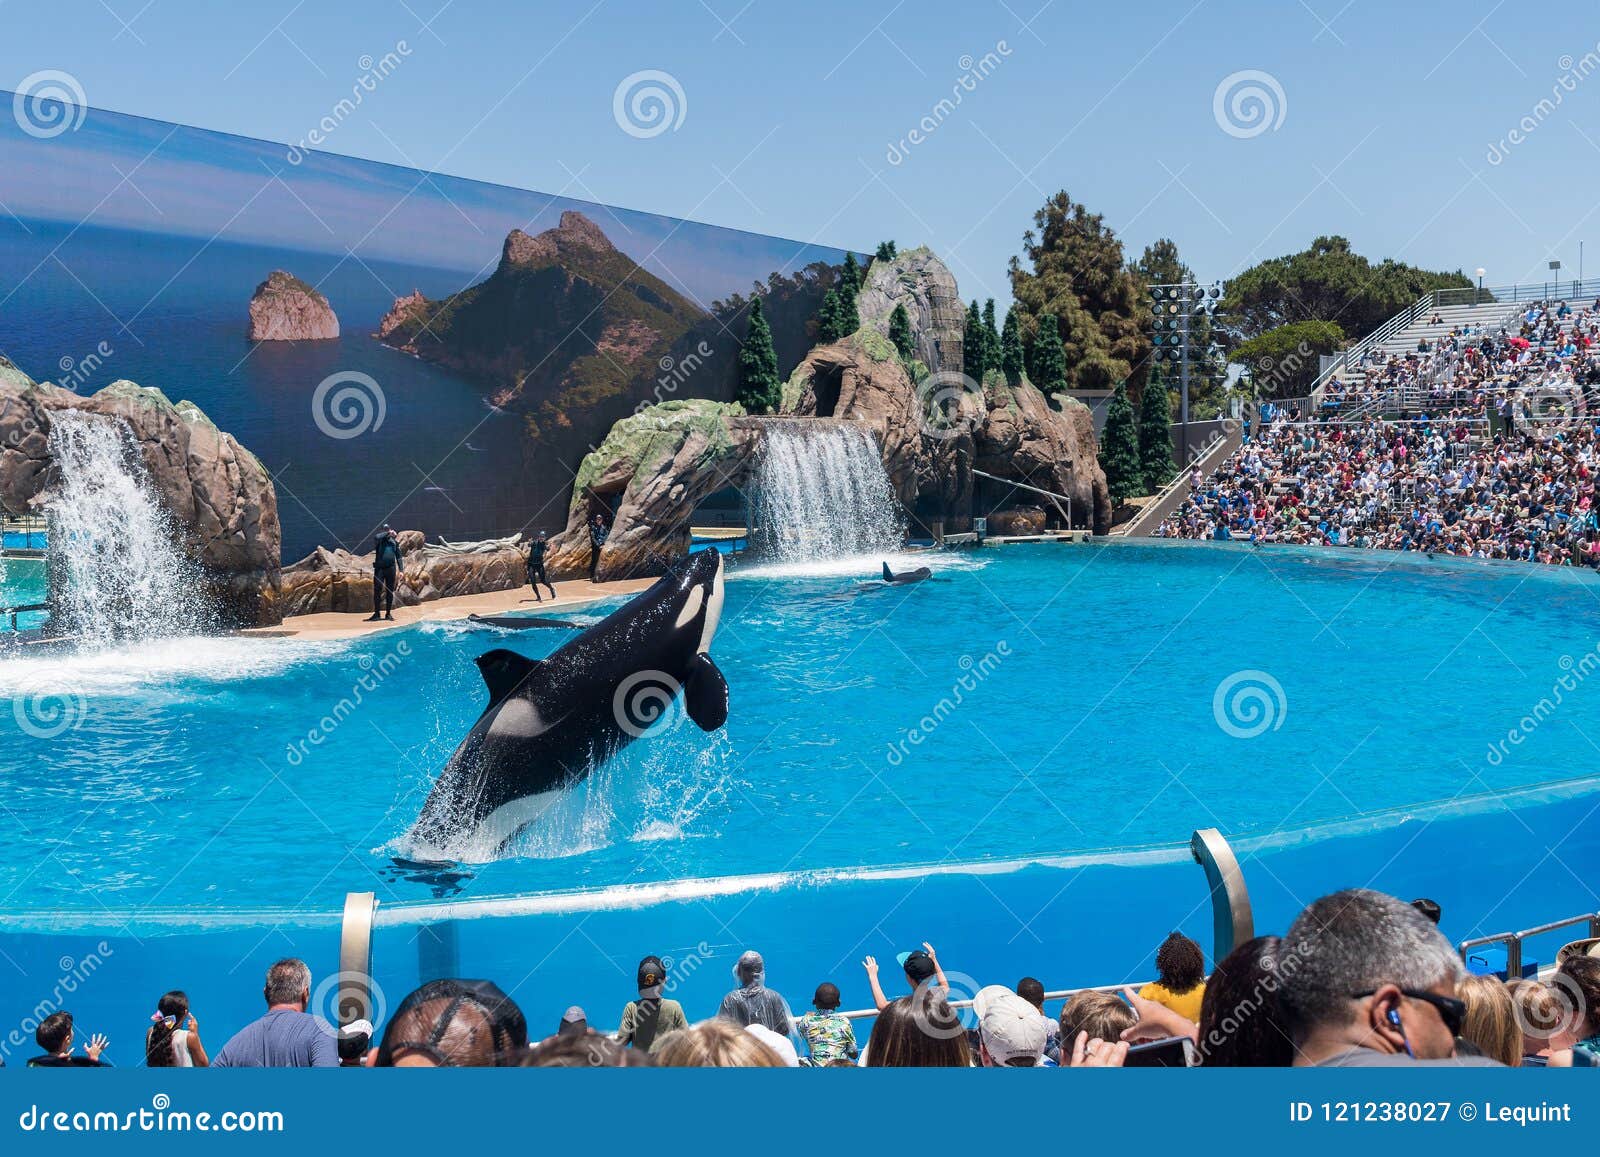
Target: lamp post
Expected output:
[1479,299]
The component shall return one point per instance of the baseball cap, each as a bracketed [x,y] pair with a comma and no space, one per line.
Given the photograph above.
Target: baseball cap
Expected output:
[1009,1026]
[651,972]
[574,1022]
[918,965]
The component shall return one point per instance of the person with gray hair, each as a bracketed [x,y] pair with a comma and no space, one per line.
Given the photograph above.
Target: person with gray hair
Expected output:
[753,1002]
[286,1037]
[1369,981]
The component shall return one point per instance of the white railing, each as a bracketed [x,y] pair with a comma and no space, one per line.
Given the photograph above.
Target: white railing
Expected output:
[1354,353]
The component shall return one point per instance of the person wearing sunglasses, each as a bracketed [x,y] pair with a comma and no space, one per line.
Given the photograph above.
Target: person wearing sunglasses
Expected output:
[1369,981]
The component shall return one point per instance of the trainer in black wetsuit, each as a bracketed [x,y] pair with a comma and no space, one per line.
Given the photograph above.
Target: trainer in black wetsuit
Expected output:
[598,533]
[536,573]
[387,558]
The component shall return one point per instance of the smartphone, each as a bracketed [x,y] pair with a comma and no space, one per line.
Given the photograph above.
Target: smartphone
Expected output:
[1176,1052]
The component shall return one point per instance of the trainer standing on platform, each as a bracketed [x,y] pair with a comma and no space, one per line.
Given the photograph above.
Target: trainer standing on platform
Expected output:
[387,559]
[598,533]
[536,575]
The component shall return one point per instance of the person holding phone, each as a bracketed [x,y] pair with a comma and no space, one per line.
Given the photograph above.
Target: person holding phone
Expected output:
[173,1038]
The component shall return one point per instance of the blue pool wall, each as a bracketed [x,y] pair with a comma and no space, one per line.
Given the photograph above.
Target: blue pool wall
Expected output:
[1493,863]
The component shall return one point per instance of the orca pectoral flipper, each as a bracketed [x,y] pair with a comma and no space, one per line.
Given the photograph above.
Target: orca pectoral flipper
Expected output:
[505,671]
[705,694]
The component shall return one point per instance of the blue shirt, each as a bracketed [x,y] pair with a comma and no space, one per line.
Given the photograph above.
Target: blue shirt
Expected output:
[283,1039]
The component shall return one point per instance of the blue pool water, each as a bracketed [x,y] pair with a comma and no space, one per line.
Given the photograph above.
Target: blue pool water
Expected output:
[1031,701]
[22,581]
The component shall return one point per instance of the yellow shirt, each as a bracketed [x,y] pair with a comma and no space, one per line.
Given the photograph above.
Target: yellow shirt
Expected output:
[1184,1004]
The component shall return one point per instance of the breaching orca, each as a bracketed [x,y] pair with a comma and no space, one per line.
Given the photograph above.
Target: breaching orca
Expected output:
[910,576]
[551,721]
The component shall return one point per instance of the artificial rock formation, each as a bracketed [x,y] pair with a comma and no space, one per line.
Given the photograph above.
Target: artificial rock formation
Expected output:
[923,284]
[658,465]
[284,308]
[337,580]
[219,495]
[1026,438]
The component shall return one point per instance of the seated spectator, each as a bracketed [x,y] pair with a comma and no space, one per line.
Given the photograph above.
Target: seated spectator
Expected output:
[585,1050]
[173,1038]
[920,1032]
[54,1036]
[753,1002]
[1490,1025]
[1373,983]
[1242,1018]
[355,1040]
[1010,1030]
[1180,977]
[921,967]
[718,1043]
[454,1024]
[286,1037]
[651,1017]
[1032,991]
[1096,1016]
[827,1033]
[1546,1024]
[1580,975]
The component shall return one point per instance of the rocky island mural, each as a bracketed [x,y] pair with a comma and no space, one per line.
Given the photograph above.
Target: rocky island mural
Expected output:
[592,362]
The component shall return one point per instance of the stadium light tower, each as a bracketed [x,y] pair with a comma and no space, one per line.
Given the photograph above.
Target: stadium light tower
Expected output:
[1173,308]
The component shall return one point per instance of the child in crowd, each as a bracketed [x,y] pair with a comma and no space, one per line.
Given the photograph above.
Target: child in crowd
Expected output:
[827,1032]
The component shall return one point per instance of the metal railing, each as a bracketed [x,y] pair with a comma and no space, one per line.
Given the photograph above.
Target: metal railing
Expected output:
[1530,291]
[1513,940]
[1353,354]
[1232,924]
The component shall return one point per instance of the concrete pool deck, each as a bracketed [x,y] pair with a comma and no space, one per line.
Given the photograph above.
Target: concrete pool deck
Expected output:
[337,625]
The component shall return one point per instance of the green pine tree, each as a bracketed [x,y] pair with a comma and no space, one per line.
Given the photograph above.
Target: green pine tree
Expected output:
[1155,434]
[900,332]
[760,389]
[849,288]
[830,318]
[1049,364]
[991,338]
[972,345]
[1012,362]
[1119,448]
[886,251]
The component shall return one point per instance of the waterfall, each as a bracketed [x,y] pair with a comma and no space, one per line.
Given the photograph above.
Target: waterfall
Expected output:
[821,492]
[114,569]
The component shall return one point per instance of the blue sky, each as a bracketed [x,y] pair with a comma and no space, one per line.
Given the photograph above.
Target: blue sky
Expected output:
[790,113]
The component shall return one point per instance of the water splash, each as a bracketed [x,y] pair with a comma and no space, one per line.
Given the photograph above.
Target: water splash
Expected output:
[116,573]
[821,492]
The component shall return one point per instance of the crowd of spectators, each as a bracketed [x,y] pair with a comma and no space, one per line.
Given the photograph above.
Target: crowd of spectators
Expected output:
[1500,463]
[1359,979]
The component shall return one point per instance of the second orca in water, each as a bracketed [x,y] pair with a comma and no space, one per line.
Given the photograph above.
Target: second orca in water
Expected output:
[549,722]
[905,577]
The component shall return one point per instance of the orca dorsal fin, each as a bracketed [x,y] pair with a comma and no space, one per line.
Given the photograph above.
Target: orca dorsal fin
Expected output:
[705,694]
[888,575]
[505,671]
